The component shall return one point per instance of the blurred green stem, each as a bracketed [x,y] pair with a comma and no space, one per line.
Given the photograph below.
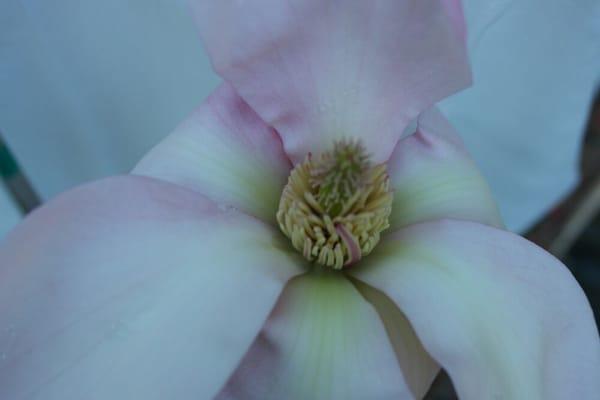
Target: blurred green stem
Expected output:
[16,182]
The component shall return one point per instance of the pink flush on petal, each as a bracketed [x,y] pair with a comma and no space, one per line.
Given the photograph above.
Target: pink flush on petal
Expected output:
[325,70]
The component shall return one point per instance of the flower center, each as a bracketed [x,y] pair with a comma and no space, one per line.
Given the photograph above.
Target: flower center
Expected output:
[335,206]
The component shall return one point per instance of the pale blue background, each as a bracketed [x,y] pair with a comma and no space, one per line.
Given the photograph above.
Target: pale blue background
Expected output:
[87,87]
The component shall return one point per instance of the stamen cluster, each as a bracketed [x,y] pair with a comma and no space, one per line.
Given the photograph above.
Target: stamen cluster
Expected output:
[335,206]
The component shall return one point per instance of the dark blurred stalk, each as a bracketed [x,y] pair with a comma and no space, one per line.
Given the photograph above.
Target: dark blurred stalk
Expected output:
[15,181]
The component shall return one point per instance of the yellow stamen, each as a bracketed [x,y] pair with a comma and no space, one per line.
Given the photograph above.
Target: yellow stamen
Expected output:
[335,207]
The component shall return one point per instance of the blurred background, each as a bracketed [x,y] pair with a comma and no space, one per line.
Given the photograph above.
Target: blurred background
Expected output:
[87,88]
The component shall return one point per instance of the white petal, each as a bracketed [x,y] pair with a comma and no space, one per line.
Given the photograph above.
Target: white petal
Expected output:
[418,368]
[323,341]
[225,152]
[434,177]
[131,288]
[504,318]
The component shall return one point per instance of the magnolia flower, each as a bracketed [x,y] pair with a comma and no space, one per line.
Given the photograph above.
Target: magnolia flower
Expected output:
[297,237]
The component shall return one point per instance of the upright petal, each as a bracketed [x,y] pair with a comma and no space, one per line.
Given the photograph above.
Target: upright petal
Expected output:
[502,316]
[455,12]
[323,341]
[434,177]
[320,70]
[131,288]
[227,153]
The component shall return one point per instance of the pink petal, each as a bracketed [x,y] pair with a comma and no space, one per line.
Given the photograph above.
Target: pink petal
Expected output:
[133,288]
[434,177]
[502,316]
[227,153]
[322,341]
[320,70]
[455,12]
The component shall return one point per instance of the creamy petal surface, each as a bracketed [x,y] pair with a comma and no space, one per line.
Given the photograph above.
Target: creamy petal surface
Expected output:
[504,318]
[323,341]
[133,288]
[434,177]
[418,368]
[321,70]
[225,152]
